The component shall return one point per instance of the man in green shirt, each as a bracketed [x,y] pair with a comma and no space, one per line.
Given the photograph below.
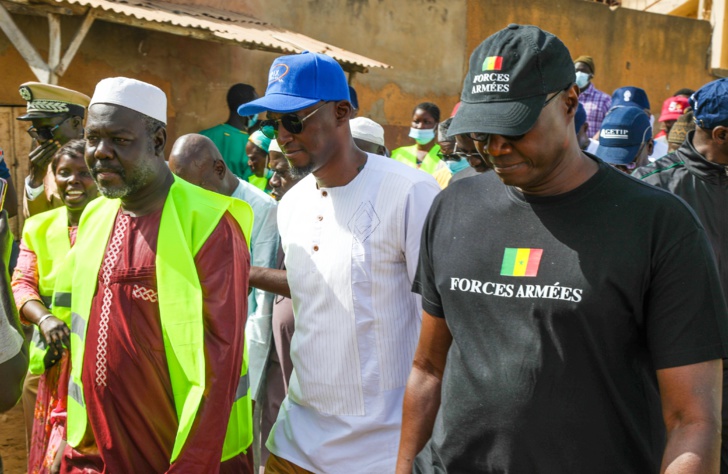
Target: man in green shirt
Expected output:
[232,136]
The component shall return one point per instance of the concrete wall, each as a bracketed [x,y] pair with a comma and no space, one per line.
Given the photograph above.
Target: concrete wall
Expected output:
[422,39]
[658,53]
[427,41]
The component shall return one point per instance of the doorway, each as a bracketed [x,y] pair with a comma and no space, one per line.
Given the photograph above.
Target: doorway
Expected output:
[15,143]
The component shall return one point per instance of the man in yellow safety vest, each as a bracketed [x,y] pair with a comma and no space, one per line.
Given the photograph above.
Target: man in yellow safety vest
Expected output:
[159,378]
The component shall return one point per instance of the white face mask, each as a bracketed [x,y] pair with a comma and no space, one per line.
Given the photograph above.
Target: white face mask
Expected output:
[423,136]
[582,79]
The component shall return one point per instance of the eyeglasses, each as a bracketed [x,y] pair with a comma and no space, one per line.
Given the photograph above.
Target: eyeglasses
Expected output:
[457,155]
[291,122]
[482,137]
[43,134]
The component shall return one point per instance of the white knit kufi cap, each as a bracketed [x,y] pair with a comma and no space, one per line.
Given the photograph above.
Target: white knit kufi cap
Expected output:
[274,146]
[133,94]
[367,130]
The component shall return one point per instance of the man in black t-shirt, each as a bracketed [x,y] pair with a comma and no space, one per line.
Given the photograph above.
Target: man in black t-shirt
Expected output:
[573,318]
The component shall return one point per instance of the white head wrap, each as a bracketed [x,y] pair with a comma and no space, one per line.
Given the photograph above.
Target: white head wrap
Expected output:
[133,94]
[367,130]
[274,146]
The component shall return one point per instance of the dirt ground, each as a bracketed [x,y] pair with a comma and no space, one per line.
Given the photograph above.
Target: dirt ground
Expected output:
[12,441]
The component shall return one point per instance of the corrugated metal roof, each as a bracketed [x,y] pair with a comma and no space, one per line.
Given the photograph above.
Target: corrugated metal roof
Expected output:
[217,25]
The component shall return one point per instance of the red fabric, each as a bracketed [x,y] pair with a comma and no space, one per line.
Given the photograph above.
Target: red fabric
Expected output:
[49,425]
[132,418]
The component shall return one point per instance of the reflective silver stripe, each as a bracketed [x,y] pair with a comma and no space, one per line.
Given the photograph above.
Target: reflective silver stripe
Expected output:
[62,299]
[47,300]
[38,340]
[75,392]
[243,386]
[78,325]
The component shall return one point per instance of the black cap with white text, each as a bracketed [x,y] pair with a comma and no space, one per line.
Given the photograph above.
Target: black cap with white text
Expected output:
[511,74]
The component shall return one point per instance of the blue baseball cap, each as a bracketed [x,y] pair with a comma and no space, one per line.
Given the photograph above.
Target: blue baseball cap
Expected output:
[710,104]
[630,96]
[353,98]
[623,132]
[299,81]
[580,117]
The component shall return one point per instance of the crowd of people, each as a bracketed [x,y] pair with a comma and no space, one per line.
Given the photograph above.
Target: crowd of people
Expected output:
[537,284]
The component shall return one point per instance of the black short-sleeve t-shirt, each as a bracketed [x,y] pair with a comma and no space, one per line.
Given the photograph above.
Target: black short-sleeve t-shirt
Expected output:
[561,310]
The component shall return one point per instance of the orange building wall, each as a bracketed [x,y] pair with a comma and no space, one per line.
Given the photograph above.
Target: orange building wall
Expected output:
[427,42]
[658,53]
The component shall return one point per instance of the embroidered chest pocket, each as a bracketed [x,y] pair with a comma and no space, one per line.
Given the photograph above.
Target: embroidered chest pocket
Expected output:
[138,286]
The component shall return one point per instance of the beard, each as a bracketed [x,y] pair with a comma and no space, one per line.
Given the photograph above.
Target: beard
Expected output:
[300,172]
[134,181]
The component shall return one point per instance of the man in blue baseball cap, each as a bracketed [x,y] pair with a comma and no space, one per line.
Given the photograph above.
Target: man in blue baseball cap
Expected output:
[581,127]
[630,96]
[698,173]
[625,139]
[572,317]
[350,232]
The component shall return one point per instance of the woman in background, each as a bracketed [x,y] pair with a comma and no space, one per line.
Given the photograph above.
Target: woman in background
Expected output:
[423,154]
[47,239]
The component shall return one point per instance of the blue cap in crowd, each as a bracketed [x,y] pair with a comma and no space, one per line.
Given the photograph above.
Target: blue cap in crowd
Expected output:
[710,104]
[630,96]
[299,81]
[580,117]
[623,132]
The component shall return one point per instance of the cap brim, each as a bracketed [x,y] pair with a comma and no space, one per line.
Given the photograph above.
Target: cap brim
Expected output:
[617,155]
[499,118]
[39,115]
[279,103]
[668,117]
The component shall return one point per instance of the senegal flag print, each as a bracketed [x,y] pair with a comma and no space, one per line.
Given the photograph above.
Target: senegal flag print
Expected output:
[521,262]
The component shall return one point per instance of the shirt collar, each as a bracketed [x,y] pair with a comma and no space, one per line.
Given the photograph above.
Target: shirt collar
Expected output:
[698,165]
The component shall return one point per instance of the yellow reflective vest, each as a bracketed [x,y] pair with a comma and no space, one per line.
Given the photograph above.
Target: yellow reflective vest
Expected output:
[46,234]
[189,217]
[408,156]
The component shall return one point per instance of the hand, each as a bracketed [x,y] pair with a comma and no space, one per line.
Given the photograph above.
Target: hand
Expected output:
[39,159]
[56,334]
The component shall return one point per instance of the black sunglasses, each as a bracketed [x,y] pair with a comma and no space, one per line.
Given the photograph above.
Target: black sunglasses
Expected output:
[43,134]
[483,137]
[291,122]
